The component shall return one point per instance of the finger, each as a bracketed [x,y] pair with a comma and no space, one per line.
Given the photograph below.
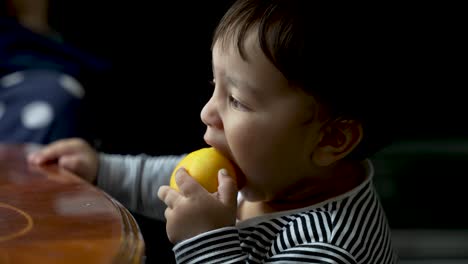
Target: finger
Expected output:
[53,151]
[75,165]
[70,163]
[168,213]
[227,188]
[168,195]
[187,184]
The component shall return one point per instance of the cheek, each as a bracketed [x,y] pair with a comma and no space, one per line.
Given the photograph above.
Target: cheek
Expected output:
[270,157]
[243,139]
[246,143]
[258,152]
[263,145]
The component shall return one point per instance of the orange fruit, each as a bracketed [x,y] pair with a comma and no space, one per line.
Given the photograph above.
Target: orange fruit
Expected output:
[203,165]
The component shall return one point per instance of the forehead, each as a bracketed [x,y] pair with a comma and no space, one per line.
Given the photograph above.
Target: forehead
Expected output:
[246,59]
[236,42]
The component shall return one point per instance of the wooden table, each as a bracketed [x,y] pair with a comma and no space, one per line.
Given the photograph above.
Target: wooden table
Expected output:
[48,215]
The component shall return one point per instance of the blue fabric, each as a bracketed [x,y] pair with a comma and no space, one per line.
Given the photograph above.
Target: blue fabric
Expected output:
[42,85]
[39,106]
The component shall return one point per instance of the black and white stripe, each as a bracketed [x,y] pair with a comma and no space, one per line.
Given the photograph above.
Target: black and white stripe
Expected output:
[350,230]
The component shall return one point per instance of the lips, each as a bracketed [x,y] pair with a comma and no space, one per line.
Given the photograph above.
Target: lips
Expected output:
[218,147]
[215,142]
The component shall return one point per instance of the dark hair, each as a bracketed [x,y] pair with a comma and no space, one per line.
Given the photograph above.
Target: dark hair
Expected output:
[332,51]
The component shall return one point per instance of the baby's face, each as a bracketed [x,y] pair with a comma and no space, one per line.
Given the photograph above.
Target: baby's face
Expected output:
[259,121]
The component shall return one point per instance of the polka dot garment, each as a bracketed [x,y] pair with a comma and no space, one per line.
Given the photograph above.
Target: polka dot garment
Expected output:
[39,106]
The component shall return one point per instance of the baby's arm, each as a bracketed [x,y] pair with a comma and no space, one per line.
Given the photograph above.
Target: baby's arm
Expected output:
[134,180]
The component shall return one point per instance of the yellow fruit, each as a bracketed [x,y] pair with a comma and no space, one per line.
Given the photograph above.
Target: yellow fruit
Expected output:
[203,165]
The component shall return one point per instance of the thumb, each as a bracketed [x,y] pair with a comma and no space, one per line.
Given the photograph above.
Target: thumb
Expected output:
[227,188]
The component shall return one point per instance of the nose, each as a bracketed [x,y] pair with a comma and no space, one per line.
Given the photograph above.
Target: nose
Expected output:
[210,113]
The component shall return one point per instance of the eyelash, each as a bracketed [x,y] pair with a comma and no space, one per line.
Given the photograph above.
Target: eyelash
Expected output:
[235,103]
[232,101]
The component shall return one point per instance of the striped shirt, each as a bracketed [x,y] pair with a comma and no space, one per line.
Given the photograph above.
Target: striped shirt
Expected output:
[350,228]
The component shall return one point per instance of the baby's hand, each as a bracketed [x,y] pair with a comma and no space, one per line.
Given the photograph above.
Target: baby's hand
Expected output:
[194,210]
[75,155]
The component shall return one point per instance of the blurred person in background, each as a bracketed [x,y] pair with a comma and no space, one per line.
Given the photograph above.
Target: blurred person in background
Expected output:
[43,80]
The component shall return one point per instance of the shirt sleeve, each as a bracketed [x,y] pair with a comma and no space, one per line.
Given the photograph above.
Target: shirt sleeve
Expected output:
[134,180]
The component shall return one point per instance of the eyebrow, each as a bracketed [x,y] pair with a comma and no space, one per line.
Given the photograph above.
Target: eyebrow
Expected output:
[236,82]
[242,85]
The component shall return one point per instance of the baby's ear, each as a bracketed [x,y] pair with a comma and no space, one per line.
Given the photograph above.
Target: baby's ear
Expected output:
[338,139]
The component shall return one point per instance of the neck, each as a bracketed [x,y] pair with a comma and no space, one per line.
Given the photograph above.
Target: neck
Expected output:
[341,178]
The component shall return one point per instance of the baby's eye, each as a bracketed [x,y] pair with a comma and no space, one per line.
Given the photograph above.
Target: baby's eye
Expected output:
[236,104]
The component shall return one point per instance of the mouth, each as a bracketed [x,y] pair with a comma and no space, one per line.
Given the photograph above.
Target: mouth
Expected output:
[240,176]
[221,150]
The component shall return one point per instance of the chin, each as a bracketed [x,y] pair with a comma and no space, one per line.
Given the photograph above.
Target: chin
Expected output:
[250,196]
[245,194]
